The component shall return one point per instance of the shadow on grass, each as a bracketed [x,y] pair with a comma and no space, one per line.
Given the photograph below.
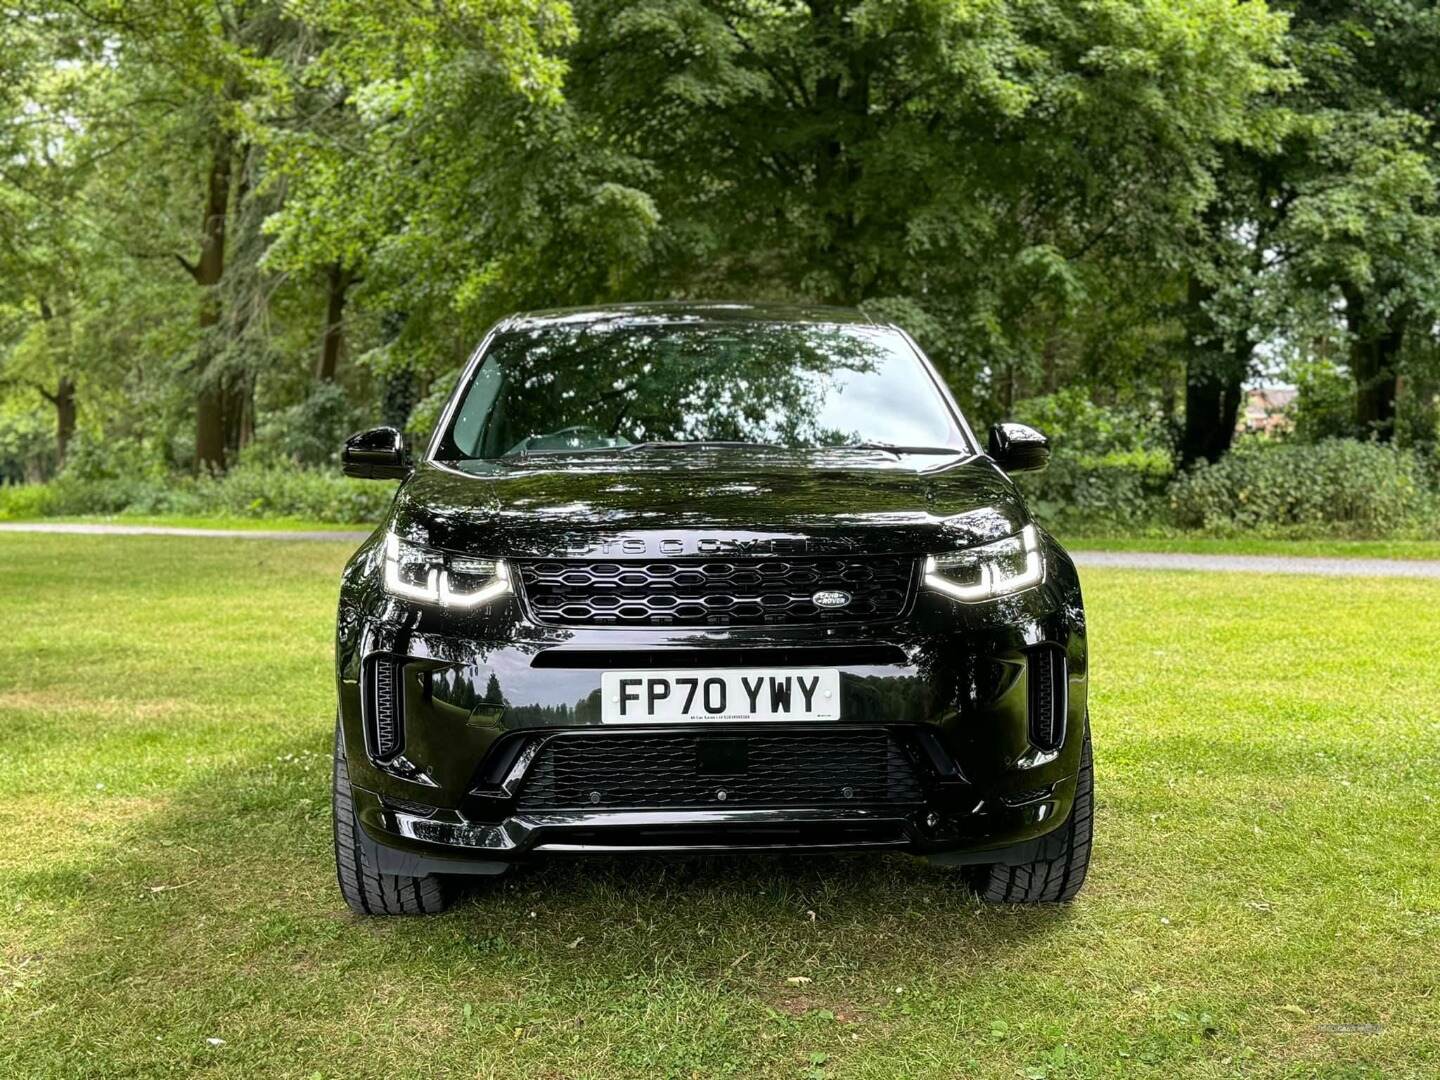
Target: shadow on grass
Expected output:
[233,879]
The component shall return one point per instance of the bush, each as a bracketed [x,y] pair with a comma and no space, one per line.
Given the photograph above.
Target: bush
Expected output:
[1109,467]
[247,491]
[1116,491]
[1338,487]
[309,432]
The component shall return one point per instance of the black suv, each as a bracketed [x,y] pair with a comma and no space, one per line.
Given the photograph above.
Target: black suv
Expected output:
[706,578]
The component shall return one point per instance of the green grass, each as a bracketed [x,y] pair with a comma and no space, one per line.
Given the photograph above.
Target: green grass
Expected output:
[1264,900]
[1202,545]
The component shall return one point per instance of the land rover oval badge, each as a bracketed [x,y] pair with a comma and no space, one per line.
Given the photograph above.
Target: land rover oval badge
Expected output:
[830,598]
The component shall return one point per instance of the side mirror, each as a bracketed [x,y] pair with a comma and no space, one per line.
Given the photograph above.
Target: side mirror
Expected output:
[1018,448]
[377,454]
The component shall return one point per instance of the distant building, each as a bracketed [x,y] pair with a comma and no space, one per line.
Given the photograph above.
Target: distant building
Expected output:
[1264,410]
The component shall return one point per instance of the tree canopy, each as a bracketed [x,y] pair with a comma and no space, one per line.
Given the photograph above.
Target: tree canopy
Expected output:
[227,227]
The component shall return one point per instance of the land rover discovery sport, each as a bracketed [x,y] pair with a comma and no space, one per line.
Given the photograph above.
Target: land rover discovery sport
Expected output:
[706,578]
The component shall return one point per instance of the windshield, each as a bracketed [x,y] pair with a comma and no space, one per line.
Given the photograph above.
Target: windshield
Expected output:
[569,389]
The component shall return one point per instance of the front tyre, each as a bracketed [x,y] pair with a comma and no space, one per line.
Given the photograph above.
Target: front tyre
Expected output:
[1055,880]
[367,891]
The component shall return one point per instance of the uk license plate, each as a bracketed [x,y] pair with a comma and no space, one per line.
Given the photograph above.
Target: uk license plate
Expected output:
[756,694]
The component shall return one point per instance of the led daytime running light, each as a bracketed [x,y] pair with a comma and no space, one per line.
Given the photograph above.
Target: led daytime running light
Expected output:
[991,583]
[437,588]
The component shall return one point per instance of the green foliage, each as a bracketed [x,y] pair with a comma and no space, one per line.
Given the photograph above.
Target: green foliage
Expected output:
[27,443]
[1131,198]
[1109,467]
[1339,487]
[247,491]
[1081,430]
[1323,407]
[310,432]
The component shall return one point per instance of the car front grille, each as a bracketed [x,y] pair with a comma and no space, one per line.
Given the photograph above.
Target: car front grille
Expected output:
[624,770]
[718,592]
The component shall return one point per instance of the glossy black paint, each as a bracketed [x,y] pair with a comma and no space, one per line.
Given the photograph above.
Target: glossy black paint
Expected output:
[482,688]
[1018,448]
[377,454]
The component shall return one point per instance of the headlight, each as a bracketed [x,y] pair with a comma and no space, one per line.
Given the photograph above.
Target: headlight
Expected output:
[983,573]
[427,575]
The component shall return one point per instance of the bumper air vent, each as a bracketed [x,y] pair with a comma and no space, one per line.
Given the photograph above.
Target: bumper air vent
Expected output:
[384,719]
[643,771]
[1047,686]
[1028,796]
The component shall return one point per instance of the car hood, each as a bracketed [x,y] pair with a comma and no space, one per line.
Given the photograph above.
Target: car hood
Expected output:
[673,503]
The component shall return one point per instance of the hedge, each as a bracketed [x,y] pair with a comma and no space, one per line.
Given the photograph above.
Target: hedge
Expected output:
[247,491]
[1338,487]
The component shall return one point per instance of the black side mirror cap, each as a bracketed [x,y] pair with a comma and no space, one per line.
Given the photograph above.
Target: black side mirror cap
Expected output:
[377,454]
[1018,448]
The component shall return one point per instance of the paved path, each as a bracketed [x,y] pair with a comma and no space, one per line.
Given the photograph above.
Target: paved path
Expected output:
[1127,560]
[1261,564]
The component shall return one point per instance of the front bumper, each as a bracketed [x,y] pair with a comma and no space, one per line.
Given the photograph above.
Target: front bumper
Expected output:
[952,684]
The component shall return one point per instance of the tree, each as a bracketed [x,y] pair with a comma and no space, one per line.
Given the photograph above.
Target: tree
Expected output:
[978,171]
[43,247]
[384,140]
[1364,226]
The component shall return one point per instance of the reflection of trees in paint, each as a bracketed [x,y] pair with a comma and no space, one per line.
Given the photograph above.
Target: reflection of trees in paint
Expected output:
[539,716]
[584,711]
[885,698]
[493,694]
[587,709]
[780,384]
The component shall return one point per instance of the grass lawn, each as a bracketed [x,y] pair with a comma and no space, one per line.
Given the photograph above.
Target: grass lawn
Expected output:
[1265,898]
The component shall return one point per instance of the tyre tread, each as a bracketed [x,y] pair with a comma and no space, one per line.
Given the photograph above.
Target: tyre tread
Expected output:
[366,890]
[1049,881]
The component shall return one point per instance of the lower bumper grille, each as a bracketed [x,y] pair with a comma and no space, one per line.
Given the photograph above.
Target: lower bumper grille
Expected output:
[624,770]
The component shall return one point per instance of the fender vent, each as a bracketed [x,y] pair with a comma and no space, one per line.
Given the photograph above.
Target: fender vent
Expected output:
[1046,681]
[384,726]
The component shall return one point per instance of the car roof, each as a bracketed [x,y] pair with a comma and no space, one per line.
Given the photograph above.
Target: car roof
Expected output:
[690,311]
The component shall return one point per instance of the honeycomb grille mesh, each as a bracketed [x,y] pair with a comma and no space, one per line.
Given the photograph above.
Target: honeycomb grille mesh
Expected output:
[638,771]
[715,592]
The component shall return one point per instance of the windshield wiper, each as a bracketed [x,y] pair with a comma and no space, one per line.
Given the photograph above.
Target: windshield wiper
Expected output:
[707,444]
[895,449]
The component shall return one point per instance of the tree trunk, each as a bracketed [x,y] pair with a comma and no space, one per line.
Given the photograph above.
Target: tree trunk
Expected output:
[64,400]
[210,403]
[337,283]
[237,381]
[842,109]
[1214,375]
[1374,358]
[57,344]
[238,409]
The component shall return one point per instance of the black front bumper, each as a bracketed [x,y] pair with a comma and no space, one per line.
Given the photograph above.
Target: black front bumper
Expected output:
[934,810]
[398,842]
[954,686]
